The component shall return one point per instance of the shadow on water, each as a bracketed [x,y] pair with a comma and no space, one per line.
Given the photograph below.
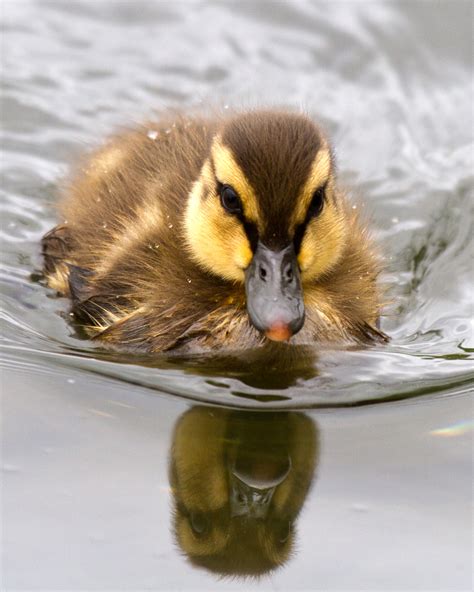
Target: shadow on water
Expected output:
[268,368]
[275,367]
[239,480]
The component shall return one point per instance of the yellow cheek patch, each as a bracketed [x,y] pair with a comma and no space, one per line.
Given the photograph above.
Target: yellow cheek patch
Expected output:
[244,254]
[323,243]
[230,173]
[318,175]
[216,240]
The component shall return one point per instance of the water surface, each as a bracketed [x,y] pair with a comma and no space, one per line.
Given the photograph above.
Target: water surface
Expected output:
[89,497]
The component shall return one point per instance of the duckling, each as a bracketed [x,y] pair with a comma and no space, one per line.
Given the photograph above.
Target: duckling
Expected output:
[228,232]
[239,480]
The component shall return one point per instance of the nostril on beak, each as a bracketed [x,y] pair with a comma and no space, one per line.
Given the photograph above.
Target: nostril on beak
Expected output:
[263,273]
[288,274]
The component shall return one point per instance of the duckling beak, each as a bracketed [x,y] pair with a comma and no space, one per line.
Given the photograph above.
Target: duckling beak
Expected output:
[274,293]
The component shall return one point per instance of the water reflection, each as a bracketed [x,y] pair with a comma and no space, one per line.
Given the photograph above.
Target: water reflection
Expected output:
[239,480]
[272,366]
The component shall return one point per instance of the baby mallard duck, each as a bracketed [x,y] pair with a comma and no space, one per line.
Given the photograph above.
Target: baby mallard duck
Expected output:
[200,234]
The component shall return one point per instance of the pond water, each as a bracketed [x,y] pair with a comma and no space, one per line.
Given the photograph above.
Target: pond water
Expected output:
[356,474]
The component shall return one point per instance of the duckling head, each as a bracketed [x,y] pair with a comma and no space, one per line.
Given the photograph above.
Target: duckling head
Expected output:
[265,213]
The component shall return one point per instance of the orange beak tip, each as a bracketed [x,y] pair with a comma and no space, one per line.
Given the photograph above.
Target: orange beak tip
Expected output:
[278,332]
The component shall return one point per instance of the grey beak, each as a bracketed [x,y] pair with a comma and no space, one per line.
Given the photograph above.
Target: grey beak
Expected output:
[274,293]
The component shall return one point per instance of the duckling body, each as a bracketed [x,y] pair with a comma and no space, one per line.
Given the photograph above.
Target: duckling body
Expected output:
[200,234]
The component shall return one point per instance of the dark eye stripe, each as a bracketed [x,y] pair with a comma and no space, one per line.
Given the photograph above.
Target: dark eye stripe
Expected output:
[314,209]
[251,232]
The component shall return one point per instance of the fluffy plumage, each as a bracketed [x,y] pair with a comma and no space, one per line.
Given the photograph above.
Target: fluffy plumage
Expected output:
[153,263]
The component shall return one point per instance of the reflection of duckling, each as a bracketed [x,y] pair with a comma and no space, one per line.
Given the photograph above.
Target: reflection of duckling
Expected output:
[239,481]
[262,368]
[215,233]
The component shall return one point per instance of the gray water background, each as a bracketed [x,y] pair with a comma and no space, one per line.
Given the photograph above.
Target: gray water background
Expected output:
[392,84]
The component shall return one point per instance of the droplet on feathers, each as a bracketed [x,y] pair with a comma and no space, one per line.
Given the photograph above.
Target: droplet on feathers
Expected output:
[152,134]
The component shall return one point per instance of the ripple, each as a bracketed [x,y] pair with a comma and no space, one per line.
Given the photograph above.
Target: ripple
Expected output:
[378,81]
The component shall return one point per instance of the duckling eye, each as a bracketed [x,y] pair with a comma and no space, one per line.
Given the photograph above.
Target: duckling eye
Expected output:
[230,200]
[317,203]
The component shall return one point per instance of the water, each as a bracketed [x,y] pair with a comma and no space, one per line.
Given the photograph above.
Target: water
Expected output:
[90,438]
